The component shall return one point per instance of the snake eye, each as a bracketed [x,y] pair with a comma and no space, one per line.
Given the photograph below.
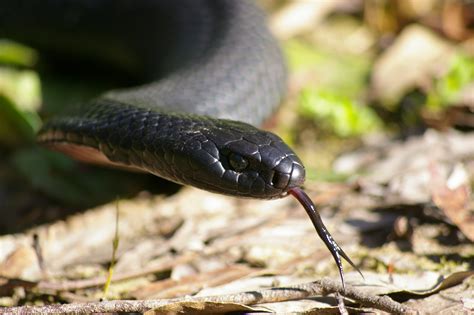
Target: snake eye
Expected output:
[238,162]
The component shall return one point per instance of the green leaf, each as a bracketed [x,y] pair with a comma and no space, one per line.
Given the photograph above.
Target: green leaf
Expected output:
[20,97]
[338,113]
[16,126]
[447,89]
[17,54]
[22,87]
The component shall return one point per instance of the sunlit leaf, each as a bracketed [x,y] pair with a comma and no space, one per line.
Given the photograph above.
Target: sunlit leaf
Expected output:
[20,97]
[17,54]
[448,88]
[338,113]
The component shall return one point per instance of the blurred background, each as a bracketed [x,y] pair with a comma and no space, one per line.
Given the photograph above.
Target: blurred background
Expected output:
[380,107]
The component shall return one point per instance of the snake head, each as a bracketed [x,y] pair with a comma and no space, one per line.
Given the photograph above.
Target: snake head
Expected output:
[236,158]
[223,156]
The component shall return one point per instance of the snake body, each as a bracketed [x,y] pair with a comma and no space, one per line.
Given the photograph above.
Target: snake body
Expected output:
[212,72]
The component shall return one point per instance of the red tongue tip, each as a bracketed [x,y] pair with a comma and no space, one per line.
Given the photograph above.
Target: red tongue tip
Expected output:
[334,248]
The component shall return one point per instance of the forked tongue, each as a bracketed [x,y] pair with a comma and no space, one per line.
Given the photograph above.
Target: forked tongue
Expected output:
[334,248]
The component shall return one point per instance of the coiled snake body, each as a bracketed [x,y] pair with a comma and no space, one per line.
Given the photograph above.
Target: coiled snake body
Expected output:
[202,57]
[214,71]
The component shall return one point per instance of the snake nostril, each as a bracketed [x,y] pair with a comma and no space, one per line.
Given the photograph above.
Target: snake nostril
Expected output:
[280,180]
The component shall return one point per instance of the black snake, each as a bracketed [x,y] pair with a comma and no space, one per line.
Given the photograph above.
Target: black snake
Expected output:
[212,71]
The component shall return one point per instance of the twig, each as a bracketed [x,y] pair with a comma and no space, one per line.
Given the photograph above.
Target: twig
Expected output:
[340,304]
[321,287]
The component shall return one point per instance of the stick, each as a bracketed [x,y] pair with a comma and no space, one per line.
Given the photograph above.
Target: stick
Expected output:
[321,287]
